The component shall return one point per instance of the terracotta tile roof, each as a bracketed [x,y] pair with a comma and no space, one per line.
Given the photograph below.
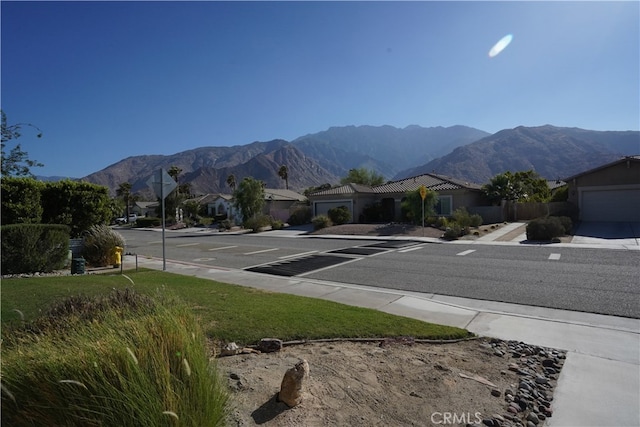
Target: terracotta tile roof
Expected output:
[280,194]
[345,189]
[431,181]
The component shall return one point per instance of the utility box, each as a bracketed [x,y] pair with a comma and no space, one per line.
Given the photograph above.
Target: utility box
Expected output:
[77,266]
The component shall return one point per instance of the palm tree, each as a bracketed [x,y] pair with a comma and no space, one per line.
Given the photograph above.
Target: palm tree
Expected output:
[284,174]
[124,191]
[231,182]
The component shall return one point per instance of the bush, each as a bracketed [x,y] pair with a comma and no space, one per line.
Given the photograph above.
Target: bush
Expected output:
[124,361]
[476,220]
[560,194]
[442,222]
[320,221]
[339,215]
[453,232]
[148,221]
[256,222]
[276,224]
[98,244]
[300,216]
[21,200]
[544,229]
[225,225]
[31,248]
[567,224]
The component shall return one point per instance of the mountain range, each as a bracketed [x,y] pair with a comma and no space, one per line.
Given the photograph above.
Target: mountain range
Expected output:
[458,151]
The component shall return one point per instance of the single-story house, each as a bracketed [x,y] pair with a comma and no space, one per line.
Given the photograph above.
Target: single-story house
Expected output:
[278,204]
[610,192]
[452,194]
[281,203]
[145,208]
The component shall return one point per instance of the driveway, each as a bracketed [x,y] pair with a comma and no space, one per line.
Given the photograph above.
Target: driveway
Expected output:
[608,233]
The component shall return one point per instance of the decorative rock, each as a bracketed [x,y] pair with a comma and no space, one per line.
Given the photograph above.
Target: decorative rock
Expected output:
[495,392]
[270,345]
[292,383]
[533,418]
[230,349]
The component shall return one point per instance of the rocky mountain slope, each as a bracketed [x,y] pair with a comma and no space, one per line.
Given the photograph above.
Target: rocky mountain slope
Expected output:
[553,152]
[312,160]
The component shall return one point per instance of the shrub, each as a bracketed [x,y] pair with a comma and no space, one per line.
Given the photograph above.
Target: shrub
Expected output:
[276,224]
[125,361]
[31,248]
[560,194]
[98,244]
[372,212]
[339,215]
[225,225]
[544,229]
[256,222]
[476,220]
[300,216]
[567,224]
[320,221]
[148,221]
[442,222]
[21,200]
[452,232]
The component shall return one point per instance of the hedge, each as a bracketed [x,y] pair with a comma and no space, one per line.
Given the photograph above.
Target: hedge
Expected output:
[31,248]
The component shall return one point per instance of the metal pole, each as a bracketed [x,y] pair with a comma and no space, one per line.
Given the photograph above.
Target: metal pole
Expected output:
[422,217]
[164,258]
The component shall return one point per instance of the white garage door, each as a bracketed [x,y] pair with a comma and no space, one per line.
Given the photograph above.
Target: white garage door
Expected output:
[611,205]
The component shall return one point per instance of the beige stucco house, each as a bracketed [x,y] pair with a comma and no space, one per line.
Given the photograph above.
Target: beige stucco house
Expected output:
[610,192]
[452,194]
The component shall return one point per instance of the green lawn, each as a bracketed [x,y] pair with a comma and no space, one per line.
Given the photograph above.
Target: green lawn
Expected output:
[226,312]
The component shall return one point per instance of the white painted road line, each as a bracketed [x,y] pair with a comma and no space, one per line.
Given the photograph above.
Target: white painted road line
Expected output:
[224,247]
[554,256]
[186,244]
[466,252]
[155,242]
[413,248]
[297,255]
[262,251]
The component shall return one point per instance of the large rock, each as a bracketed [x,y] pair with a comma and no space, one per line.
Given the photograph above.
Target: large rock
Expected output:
[292,383]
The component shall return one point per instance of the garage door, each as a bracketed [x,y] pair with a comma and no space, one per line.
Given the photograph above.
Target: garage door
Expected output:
[611,205]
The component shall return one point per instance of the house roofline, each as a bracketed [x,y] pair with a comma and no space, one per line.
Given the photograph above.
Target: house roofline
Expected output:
[634,159]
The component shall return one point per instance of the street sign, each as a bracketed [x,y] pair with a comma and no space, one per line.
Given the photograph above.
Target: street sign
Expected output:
[161,183]
[423,192]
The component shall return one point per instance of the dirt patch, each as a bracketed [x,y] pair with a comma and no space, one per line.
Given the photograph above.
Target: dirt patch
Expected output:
[396,383]
[396,229]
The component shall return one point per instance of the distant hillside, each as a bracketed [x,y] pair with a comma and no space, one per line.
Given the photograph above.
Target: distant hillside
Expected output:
[553,152]
[207,168]
[385,149]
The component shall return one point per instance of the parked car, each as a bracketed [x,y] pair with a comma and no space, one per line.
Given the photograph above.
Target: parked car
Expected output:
[123,220]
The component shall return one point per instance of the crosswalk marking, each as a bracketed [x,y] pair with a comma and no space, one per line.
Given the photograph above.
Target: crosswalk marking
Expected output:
[186,244]
[297,255]
[466,252]
[223,247]
[259,252]
[413,248]
[554,257]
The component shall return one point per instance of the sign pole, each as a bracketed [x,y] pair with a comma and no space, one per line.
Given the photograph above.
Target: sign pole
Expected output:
[423,193]
[164,257]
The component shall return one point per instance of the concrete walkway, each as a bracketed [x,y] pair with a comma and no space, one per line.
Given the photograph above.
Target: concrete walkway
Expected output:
[599,384]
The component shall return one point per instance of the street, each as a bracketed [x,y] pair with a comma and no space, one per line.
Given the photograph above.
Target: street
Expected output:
[579,279]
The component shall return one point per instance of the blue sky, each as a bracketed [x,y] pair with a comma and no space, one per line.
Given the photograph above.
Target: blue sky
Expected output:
[109,80]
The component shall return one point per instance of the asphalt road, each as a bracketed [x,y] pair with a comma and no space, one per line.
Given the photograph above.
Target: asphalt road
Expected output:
[592,280]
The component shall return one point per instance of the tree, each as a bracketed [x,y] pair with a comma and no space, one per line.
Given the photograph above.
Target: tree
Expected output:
[412,205]
[519,187]
[231,182]
[16,162]
[363,176]
[249,197]
[124,191]
[283,173]
[21,200]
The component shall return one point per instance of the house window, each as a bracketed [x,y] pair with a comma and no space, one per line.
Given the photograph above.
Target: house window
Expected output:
[443,207]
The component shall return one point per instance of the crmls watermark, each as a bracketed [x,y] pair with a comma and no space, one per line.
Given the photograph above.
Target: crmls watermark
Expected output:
[451,418]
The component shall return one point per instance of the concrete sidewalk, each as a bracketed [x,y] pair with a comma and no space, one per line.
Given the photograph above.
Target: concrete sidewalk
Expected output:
[599,384]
